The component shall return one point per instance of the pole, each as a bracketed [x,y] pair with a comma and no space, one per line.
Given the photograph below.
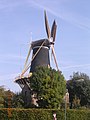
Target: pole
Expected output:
[65,108]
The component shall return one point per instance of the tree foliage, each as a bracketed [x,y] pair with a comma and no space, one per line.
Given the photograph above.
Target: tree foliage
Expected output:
[17,100]
[2,96]
[8,99]
[49,85]
[79,87]
[5,97]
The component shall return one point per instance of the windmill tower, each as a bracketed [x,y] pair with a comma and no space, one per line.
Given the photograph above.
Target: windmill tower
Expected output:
[41,48]
[40,57]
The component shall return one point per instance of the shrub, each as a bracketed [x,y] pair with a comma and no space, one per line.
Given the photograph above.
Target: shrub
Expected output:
[43,114]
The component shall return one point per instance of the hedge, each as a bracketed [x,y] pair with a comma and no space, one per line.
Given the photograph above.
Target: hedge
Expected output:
[43,114]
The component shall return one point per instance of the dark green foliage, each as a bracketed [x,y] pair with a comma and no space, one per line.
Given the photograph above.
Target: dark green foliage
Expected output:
[2,96]
[5,97]
[43,114]
[9,99]
[79,87]
[17,100]
[49,85]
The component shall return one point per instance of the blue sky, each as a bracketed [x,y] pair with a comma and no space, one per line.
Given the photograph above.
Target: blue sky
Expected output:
[23,20]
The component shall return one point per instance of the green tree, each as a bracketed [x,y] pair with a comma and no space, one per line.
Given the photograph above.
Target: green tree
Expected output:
[49,85]
[79,86]
[8,99]
[17,100]
[5,97]
[2,95]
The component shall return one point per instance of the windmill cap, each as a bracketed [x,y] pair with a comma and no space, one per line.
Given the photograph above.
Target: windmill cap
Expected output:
[40,42]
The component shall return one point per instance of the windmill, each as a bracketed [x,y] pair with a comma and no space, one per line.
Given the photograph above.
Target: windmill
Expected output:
[40,54]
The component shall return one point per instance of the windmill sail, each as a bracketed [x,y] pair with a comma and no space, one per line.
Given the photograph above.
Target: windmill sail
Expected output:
[54,55]
[53,30]
[47,25]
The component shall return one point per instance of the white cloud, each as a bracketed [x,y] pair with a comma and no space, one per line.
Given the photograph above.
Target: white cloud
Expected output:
[11,56]
[70,16]
[76,66]
[56,8]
